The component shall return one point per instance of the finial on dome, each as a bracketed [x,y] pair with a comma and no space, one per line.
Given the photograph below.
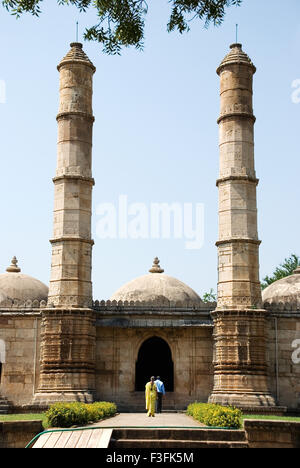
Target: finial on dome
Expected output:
[13,268]
[297,271]
[156,267]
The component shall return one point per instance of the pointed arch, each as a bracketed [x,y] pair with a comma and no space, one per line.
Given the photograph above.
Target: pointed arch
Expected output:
[154,358]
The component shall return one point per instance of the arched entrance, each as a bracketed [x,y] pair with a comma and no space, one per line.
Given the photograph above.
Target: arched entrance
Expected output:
[154,358]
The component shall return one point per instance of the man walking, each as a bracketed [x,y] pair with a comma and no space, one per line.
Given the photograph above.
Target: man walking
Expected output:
[160,392]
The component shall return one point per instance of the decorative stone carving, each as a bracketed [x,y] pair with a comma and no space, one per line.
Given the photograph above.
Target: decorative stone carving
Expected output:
[13,268]
[240,370]
[156,267]
[68,323]
[70,282]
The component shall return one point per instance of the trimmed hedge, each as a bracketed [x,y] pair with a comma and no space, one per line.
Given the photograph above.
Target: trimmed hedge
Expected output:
[78,414]
[216,415]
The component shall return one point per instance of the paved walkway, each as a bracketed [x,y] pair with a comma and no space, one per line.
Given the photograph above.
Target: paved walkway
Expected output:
[89,438]
[141,419]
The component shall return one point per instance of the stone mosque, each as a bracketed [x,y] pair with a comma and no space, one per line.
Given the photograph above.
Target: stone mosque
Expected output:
[60,344]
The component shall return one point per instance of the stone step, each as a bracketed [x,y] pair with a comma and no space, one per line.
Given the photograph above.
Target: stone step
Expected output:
[172,444]
[178,438]
[4,405]
[172,434]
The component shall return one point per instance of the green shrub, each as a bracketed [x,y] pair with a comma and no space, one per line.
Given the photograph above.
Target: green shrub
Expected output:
[78,414]
[216,415]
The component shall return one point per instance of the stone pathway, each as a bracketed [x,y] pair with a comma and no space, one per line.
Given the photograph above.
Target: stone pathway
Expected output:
[91,438]
[141,419]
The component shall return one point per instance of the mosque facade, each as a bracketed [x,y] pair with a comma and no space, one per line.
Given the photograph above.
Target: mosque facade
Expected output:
[60,344]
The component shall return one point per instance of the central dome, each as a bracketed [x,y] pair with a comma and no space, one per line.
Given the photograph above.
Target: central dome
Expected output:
[156,287]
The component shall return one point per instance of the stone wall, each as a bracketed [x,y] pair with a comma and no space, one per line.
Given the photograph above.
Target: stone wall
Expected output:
[117,349]
[17,434]
[272,434]
[20,371]
[117,352]
[285,387]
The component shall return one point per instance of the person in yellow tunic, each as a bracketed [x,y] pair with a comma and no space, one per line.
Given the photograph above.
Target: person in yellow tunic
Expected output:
[151,393]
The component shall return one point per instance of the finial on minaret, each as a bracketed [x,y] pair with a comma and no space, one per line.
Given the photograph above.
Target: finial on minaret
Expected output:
[13,268]
[156,267]
[236,45]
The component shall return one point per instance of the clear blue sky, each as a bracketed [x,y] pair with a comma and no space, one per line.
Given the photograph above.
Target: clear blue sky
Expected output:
[155,135]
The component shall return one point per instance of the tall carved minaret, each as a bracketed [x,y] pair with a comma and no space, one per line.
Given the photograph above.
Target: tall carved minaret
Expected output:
[68,323]
[70,282]
[240,370]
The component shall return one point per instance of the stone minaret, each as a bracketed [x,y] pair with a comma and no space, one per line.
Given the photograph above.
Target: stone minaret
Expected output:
[240,371]
[68,329]
[70,282]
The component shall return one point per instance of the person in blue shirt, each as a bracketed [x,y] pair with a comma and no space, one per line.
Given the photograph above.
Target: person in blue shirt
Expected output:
[160,392]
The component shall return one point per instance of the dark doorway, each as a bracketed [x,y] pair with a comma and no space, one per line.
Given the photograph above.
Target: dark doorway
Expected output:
[155,359]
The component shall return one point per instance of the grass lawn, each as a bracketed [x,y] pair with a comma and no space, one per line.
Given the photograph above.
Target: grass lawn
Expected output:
[270,417]
[24,417]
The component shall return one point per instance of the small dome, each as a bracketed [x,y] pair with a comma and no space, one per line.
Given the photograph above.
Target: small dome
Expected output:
[15,285]
[285,290]
[156,287]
